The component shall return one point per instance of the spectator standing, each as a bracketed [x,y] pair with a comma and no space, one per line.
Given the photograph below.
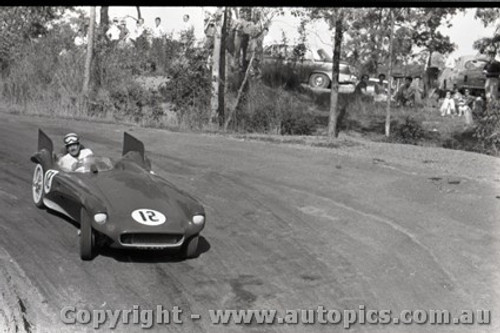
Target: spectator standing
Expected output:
[186,33]
[491,71]
[158,40]
[256,31]
[113,33]
[124,34]
[139,35]
[157,32]
[209,30]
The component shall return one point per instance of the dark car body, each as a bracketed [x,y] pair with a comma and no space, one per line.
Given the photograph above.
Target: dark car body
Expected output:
[466,74]
[310,66]
[143,210]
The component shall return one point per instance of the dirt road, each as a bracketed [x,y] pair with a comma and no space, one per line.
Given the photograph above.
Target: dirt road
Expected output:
[289,227]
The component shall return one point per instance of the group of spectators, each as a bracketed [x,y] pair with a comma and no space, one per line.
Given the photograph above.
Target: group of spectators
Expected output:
[118,34]
[458,104]
[244,37]
[408,94]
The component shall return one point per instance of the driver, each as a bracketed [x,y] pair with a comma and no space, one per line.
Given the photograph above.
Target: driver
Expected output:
[75,152]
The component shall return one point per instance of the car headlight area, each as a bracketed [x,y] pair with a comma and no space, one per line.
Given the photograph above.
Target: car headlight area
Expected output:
[198,220]
[100,218]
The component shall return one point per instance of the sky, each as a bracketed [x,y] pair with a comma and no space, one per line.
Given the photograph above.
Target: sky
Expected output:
[464,32]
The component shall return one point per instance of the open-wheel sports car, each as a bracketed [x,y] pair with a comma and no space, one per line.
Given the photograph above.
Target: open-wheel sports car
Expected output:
[120,204]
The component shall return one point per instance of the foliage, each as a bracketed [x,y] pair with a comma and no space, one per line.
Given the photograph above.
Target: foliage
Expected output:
[273,111]
[409,132]
[367,33]
[487,129]
[19,25]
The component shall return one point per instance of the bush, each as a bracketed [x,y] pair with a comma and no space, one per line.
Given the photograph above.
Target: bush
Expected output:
[273,110]
[277,74]
[487,130]
[409,132]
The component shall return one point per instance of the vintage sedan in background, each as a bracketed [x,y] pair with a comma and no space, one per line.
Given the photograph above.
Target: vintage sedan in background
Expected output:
[466,74]
[310,66]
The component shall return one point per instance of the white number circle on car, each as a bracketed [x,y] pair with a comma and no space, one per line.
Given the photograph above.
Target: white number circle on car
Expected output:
[148,216]
[49,176]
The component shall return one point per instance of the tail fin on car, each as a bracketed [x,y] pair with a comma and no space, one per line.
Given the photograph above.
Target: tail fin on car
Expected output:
[132,144]
[44,142]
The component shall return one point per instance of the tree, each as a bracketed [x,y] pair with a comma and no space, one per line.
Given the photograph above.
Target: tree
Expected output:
[214,100]
[104,24]
[338,19]
[90,50]
[19,25]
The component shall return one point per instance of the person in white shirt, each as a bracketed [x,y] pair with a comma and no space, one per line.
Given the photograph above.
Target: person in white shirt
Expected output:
[157,31]
[113,32]
[81,38]
[138,30]
[186,30]
[75,153]
[448,106]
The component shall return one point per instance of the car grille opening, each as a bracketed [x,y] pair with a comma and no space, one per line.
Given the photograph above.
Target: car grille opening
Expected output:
[146,239]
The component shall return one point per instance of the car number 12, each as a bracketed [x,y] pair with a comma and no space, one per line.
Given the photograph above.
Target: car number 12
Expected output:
[148,216]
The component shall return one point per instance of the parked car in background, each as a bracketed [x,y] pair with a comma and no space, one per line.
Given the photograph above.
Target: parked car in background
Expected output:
[310,66]
[466,74]
[370,90]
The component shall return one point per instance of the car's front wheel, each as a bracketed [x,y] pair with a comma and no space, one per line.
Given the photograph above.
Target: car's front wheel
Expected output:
[37,186]
[191,247]
[318,80]
[87,236]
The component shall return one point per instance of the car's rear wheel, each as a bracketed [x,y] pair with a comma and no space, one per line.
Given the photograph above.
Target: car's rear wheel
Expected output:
[191,247]
[318,80]
[87,236]
[37,186]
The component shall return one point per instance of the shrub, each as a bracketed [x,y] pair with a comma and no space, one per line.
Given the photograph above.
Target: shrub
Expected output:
[273,110]
[409,132]
[487,130]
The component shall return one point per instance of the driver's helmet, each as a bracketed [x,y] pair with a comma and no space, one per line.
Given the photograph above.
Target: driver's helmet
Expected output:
[71,138]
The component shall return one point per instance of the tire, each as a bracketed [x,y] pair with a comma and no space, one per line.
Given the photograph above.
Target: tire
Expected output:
[37,186]
[191,247]
[87,237]
[318,80]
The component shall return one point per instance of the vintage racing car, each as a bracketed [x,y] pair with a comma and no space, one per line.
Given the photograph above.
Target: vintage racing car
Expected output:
[121,204]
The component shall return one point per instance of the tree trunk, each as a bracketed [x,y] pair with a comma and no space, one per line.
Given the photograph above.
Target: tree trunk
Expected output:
[88,59]
[214,100]
[104,18]
[334,95]
[389,93]
[238,97]
[222,70]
